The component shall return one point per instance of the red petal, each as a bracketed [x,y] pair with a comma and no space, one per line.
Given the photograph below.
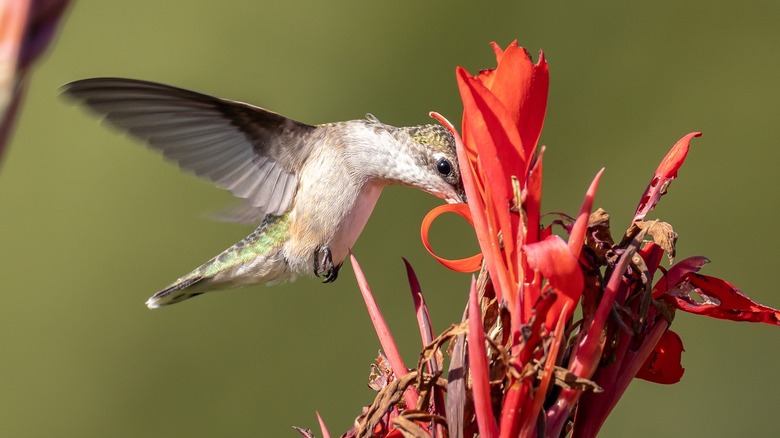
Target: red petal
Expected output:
[664,175]
[676,273]
[535,107]
[522,87]
[486,76]
[652,254]
[512,82]
[480,373]
[490,128]
[577,236]
[498,50]
[663,365]
[553,259]
[533,199]
[718,299]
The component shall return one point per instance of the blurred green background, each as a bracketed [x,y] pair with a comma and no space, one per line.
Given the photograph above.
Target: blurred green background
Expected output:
[91,224]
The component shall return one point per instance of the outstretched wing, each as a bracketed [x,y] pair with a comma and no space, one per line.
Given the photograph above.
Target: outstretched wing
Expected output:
[250,151]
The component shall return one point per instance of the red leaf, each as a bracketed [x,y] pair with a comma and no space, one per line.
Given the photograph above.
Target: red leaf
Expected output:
[664,175]
[718,299]
[420,307]
[382,330]
[577,236]
[663,365]
[325,433]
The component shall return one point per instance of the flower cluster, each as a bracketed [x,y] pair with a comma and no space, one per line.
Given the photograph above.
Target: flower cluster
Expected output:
[523,362]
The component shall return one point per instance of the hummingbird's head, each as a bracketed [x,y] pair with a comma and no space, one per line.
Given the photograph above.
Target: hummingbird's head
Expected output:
[433,149]
[422,156]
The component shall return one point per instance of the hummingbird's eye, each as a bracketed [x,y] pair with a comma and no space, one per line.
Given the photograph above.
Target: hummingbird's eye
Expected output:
[444,167]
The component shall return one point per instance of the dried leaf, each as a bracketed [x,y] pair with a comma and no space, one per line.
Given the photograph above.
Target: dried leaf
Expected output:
[406,423]
[305,433]
[409,429]
[456,387]
[566,379]
[662,233]
[448,335]
[380,374]
[391,395]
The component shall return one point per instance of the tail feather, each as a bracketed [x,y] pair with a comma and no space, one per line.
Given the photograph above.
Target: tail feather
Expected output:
[175,293]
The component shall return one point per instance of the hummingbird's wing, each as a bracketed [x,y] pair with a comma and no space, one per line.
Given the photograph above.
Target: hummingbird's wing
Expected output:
[250,151]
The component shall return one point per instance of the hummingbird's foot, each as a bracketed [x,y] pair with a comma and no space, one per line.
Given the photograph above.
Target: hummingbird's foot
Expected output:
[332,274]
[323,264]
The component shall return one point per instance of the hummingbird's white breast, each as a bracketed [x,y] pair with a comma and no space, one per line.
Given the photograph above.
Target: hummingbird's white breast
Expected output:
[338,188]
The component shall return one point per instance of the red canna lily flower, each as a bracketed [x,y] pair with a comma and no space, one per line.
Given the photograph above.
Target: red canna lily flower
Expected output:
[523,362]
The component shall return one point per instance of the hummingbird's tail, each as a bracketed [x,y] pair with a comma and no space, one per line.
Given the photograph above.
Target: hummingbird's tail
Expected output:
[178,291]
[258,258]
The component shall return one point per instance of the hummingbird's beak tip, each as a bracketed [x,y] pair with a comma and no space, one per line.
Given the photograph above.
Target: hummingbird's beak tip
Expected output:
[459,199]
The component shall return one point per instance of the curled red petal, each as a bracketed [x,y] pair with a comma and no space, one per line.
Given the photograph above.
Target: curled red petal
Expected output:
[486,236]
[664,175]
[663,365]
[718,299]
[469,264]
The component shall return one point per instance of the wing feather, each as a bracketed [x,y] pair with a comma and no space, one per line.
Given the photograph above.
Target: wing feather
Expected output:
[252,152]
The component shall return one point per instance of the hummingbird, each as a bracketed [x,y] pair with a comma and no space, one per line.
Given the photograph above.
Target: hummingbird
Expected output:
[311,188]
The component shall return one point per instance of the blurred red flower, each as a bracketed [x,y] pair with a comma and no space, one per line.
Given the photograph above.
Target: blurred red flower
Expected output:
[26,29]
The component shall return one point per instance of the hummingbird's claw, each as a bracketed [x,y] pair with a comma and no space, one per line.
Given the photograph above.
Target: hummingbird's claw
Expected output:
[332,274]
[323,264]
